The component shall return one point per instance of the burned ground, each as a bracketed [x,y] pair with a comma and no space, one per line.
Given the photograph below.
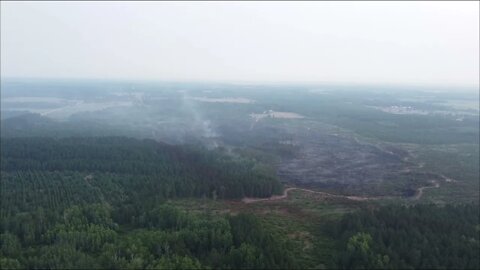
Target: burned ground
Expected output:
[332,161]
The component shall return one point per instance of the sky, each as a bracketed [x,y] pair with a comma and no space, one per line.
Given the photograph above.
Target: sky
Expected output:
[427,43]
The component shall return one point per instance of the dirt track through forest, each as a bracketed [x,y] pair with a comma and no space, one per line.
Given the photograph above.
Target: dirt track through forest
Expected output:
[417,196]
[285,195]
[419,192]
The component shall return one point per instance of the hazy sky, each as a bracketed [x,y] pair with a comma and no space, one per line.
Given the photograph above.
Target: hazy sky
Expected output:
[343,42]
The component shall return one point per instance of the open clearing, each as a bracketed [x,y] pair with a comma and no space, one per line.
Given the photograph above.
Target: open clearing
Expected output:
[274,114]
[285,195]
[224,100]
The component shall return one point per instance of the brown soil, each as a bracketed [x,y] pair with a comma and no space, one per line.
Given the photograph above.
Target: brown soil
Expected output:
[285,195]
[419,192]
[417,196]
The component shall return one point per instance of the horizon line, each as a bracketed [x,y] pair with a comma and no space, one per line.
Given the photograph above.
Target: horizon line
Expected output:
[247,82]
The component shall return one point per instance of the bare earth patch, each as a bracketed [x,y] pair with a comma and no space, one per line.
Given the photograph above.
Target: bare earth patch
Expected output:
[224,100]
[274,114]
[285,195]
[418,194]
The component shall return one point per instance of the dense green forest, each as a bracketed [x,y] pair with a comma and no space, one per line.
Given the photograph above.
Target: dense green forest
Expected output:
[100,202]
[121,165]
[164,237]
[107,203]
[416,237]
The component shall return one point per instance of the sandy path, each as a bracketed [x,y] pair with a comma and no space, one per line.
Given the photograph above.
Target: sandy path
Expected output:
[285,195]
[418,194]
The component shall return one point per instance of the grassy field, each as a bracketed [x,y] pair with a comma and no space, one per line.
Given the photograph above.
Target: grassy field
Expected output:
[303,217]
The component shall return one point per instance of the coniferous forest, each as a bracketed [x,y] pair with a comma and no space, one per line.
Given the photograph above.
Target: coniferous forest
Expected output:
[416,237]
[100,202]
[103,203]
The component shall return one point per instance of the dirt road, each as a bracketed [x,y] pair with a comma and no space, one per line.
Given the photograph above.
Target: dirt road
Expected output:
[418,194]
[285,195]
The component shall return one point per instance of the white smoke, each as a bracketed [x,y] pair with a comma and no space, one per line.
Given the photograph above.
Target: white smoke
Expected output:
[200,125]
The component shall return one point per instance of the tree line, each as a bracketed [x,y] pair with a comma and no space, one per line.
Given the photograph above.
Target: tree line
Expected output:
[414,237]
[182,170]
[102,203]
[88,237]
